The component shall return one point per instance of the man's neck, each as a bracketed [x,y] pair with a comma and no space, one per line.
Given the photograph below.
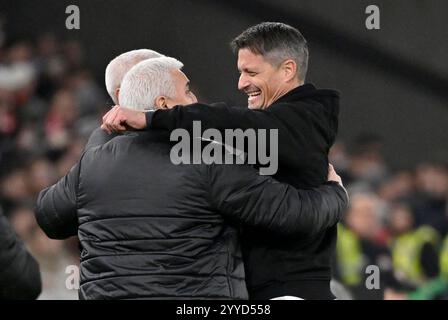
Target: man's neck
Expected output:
[288,89]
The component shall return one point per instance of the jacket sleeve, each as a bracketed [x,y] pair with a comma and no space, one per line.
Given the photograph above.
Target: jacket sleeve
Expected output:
[239,193]
[56,210]
[220,116]
[19,271]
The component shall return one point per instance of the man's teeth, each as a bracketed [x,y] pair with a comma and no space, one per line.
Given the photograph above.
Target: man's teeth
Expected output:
[254,94]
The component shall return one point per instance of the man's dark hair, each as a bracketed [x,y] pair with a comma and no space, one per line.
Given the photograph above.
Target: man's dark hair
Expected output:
[276,42]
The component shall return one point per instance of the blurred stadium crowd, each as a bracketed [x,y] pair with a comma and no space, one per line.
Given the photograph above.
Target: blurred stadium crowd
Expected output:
[397,220]
[50,103]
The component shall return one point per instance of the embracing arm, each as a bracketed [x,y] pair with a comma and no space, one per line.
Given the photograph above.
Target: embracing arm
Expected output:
[291,134]
[218,116]
[56,211]
[239,193]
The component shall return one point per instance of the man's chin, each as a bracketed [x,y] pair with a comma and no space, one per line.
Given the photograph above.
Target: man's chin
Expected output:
[255,106]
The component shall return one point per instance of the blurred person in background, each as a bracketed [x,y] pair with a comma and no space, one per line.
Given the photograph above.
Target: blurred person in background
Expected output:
[15,189]
[23,222]
[415,254]
[60,120]
[19,271]
[48,102]
[53,258]
[414,250]
[40,174]
[89,97]
[339,157]
[444,260]
[359,246]
[398,186]
[50,254]
[367,167]
[429,204]
[51,65]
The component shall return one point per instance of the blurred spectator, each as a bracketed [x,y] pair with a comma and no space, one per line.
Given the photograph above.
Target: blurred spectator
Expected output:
[22,219]
[73,54]
[50,64]
[366,165]
[52,256]
[414,251]
[41,174]
[19,277]
[49,105]
[53,259]
[340,159]
[15,190]
[399,185]
[8,123]
[430,201]
[86,92]
[359,246]
[444,260]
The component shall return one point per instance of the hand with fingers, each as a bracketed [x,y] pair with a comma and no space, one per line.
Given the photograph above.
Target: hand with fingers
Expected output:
[120,119]
[333,176]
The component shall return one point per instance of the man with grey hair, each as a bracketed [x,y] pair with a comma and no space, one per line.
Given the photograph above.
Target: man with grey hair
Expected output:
[152,229]
[155,84]
[273,62]
[120,65]
[114,74]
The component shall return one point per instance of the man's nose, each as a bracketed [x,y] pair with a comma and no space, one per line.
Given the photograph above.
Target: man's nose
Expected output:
[194,98]
[243,82]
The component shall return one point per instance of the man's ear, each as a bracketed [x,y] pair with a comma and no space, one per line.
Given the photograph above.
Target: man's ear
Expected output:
[289,68]
[160,102]
[117,94]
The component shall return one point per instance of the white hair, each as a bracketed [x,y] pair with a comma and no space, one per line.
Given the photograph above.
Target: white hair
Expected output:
[120,65]
[146,81]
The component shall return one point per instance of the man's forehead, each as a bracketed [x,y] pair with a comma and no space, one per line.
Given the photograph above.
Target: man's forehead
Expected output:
[180,75]
[248,59]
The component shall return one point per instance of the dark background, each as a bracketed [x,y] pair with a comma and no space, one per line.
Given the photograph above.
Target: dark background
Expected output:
[393,80]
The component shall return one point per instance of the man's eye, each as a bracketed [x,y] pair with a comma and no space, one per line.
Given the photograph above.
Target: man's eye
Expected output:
[252,74]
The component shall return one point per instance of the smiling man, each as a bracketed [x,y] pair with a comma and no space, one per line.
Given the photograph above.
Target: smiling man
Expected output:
[268,71]
[273,62]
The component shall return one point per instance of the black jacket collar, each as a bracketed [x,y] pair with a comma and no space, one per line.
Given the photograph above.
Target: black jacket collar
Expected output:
[305,90]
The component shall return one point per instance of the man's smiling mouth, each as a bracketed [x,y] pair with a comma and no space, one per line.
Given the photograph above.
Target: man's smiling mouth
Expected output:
[253,93]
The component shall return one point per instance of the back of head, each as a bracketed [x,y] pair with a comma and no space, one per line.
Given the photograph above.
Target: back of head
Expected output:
[146,81]
[276,42]
[120,65]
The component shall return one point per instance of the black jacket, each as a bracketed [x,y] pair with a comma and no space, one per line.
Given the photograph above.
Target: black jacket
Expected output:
[306,119]
[152,229]
[19,271]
